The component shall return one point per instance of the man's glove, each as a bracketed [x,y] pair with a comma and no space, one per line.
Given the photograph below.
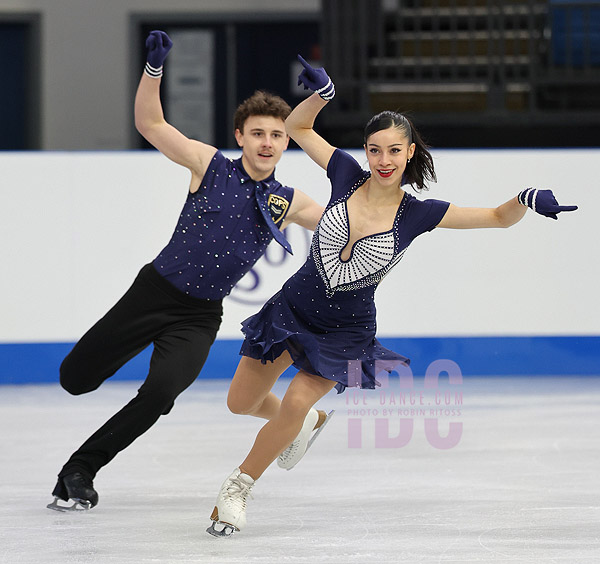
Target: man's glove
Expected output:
[158,44]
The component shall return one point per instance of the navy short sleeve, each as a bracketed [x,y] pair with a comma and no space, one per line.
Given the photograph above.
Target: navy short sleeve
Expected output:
[421,216]
[343,171]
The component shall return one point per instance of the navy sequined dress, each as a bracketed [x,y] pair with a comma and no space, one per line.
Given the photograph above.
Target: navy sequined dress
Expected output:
[324,315]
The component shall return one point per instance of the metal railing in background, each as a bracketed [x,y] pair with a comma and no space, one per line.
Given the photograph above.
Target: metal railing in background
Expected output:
[477,62]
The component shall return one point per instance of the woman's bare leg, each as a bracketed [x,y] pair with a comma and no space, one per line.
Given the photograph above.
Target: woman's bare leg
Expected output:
[250,390]
[304,391]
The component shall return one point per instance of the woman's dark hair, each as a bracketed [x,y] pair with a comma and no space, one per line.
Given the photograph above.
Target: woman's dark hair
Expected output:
[420,169]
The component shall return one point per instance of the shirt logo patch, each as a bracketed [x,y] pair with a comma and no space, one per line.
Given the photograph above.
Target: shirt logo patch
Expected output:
[277,207]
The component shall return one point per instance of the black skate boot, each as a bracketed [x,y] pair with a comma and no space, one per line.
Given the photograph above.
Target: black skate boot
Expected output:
[76,488]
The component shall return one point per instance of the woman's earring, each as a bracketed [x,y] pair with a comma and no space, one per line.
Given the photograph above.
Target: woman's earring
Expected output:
[407,161]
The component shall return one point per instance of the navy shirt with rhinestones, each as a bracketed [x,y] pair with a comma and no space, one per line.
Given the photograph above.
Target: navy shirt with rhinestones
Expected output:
[221,232]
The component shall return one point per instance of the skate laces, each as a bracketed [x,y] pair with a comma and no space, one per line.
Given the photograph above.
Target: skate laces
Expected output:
[290,451]
[237,492]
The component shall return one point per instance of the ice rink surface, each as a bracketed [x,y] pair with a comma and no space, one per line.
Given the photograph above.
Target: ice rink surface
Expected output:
[521,484]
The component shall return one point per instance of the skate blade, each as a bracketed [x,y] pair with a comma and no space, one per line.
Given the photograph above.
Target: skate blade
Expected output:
[316,434]
[78,505]
[226,531]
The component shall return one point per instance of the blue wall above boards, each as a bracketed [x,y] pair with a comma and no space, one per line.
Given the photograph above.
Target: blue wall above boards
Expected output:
[37,363]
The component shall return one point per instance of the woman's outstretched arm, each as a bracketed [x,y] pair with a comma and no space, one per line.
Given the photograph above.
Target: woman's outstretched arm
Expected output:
[299,124]
[507,214]
[504,215]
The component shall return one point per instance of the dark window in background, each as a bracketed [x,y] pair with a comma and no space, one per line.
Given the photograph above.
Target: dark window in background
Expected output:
[219,75]
[19,96]
[248,56]
[265,52]
[266,55]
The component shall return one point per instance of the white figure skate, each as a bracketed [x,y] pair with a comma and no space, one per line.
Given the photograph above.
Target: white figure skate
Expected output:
[294,453]
[229,514]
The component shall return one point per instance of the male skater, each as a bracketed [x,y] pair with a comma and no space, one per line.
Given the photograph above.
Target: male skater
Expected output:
[232,212]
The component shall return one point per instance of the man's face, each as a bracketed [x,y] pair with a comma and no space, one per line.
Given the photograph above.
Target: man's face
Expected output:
[263,141]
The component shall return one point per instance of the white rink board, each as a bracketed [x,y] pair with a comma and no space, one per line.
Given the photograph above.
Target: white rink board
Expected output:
[77,227]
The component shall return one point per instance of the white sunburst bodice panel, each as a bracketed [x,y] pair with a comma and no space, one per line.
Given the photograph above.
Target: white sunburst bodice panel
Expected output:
[370,258]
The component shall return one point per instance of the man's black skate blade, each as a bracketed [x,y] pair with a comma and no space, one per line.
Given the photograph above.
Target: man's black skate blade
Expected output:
[226,531]
[79,505]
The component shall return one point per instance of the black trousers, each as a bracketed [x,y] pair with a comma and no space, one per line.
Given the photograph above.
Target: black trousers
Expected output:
[182,329]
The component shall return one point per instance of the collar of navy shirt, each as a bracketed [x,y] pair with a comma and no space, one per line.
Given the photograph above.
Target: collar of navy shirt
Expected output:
[260,192]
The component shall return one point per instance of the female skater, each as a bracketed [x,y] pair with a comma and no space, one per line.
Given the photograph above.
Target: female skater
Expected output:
[324,316]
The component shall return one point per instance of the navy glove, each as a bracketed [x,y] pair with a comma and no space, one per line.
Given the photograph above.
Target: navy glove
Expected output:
[316,80]
[158,44]
[542,202]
